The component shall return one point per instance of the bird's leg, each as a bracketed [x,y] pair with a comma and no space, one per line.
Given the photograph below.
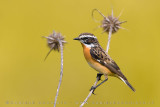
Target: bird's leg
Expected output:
[101,83]
[98,78]
[93,88]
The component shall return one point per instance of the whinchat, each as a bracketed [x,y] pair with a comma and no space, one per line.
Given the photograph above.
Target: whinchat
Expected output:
[98,59]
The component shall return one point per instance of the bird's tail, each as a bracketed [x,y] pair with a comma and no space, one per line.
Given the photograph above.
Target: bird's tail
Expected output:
[128,84]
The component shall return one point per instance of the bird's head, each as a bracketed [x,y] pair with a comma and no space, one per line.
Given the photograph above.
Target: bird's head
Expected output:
[87,39]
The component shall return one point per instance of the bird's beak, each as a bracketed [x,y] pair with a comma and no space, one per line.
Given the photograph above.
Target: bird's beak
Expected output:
[76,38]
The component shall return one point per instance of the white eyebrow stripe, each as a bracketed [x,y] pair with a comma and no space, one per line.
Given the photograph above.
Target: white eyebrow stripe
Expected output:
[83,36]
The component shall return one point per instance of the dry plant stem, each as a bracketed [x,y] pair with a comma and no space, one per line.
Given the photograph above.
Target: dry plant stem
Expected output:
[90,93]
[61,73]
[109,39]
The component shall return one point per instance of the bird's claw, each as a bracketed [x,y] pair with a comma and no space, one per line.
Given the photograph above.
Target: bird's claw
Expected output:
[93,88]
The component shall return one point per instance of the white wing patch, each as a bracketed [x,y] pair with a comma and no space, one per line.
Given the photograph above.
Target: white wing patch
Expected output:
[98,60]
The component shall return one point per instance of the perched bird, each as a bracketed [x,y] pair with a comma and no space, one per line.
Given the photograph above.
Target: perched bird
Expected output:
[98,59]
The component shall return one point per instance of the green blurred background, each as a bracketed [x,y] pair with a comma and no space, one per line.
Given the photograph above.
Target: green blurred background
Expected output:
[25,78]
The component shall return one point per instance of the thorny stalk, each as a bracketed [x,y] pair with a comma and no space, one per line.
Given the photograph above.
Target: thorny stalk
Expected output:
[56,42]
[90,93]
[61,73]
[109,39]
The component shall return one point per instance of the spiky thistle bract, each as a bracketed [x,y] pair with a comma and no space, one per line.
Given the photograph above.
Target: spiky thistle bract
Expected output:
[53,42]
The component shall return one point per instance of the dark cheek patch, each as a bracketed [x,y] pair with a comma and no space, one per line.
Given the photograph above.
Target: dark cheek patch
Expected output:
[90,41]
[87,41]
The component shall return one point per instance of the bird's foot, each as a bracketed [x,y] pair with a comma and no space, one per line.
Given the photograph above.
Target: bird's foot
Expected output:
[93,88]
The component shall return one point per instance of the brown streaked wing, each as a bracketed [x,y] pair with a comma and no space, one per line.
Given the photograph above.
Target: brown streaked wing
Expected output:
[99,55]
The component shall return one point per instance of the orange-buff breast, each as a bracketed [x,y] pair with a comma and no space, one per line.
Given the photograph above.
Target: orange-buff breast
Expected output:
[93,63]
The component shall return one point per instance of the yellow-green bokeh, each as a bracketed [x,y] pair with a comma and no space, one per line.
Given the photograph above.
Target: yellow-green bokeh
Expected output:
[25,77]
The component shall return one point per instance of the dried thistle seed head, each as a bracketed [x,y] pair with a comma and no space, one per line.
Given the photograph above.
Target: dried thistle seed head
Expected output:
[54,41]
[110,23]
